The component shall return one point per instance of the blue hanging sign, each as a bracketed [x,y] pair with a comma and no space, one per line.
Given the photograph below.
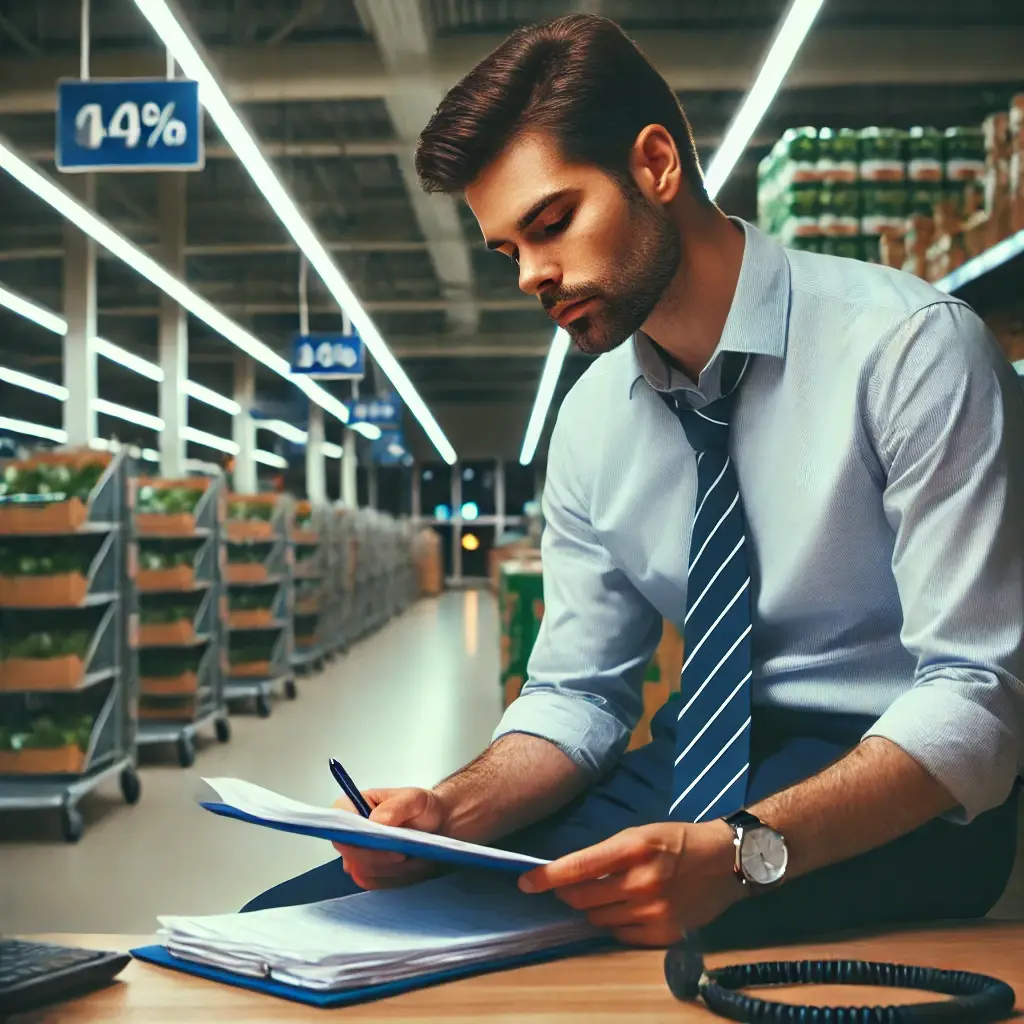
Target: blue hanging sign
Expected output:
[129,124]
[381,410]
[389,449]
[334,356]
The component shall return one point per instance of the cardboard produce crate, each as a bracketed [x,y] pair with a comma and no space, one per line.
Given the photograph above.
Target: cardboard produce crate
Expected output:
[521,609]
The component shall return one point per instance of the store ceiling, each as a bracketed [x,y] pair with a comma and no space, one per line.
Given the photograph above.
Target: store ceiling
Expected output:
[316,80]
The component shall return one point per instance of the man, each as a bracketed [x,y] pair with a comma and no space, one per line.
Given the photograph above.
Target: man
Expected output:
[814,466]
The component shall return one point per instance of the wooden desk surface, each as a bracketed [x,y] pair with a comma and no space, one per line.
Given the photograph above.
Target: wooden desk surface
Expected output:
[598,989]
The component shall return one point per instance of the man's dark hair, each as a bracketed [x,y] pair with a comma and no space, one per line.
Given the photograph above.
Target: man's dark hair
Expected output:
[580,79]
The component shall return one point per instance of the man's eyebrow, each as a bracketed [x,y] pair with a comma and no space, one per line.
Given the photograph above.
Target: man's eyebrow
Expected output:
[531,215]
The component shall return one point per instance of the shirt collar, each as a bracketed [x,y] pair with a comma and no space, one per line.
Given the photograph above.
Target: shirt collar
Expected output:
[757,323]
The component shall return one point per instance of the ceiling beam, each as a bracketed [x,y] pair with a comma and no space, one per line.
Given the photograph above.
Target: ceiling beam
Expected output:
[405,36]
[695,61]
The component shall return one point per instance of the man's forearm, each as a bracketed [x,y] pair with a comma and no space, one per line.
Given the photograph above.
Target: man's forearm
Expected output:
[516,781]
[875,794]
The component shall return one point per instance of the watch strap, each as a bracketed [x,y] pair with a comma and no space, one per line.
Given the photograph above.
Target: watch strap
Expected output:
[743,819]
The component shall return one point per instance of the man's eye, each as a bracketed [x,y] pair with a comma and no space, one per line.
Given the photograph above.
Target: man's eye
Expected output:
[559,225]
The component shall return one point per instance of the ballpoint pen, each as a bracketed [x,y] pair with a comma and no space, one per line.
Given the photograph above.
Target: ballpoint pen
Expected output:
[350,789]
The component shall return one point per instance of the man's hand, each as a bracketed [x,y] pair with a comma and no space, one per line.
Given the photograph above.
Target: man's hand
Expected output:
[650,884]
[411,808]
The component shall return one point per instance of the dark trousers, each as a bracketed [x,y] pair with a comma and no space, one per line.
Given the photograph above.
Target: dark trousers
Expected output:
[941,871]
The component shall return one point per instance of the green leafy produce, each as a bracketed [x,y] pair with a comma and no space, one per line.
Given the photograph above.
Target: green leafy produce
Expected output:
[251,598]
[169,662]
[254,647]
[168,500]
[154,555]
[47,645]
[54,480]
[251,510]
[246,554]
[48,731]
[160,615]
[35,557]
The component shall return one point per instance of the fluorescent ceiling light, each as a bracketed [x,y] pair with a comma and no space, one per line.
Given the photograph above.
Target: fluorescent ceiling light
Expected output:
[30,311]
[34,429]
[122,412]
[368,430]
[217,105]
[545,391]
[97,228]
[288,431]
[129,360]
[333,451]
[201,393]
[269,459]
[58,325]
[792,31]
[37,384]
[221,444]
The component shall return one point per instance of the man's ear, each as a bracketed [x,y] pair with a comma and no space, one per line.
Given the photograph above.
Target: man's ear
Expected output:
[655,166]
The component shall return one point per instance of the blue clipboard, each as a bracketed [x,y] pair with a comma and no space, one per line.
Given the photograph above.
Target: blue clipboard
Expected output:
[371,842]
[366,993]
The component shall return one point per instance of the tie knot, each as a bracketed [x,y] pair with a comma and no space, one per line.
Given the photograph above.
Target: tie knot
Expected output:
[708,428]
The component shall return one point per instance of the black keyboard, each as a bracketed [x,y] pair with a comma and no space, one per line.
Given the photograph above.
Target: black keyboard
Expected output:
[35,973]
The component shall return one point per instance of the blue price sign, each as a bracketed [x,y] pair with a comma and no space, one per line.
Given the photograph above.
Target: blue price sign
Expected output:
[335,356]
[131,124]
[383,410]
[389,449]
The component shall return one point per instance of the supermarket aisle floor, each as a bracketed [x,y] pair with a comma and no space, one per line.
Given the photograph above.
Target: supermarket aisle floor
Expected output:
[407,706]
[404,707]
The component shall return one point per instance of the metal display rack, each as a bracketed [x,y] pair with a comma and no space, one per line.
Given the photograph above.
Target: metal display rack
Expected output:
[180,633]
[72,590]
[258,567]
[311,598]
[374,568]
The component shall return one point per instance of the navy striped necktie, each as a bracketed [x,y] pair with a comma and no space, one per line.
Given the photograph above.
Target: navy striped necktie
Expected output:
[713,727]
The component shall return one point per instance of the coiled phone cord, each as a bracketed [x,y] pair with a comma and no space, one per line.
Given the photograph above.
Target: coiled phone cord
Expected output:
[976,997]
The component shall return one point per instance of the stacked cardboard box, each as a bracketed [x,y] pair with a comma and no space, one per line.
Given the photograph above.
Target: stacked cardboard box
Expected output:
[521,609]
[1015,169]
[429,562]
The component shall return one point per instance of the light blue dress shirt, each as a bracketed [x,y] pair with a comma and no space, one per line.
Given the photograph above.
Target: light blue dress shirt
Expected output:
[879,445]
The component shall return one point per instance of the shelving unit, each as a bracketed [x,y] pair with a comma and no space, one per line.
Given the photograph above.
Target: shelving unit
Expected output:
[179,636]
[68,674]
[258,569]
[311,593]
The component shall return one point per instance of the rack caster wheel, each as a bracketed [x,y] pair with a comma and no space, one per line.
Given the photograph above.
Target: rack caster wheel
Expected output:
[186,752]
[131,786]
[71,824]
[222,728]
[290,690]
[263,706]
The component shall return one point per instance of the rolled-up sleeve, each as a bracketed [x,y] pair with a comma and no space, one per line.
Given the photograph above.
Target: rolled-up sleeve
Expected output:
[946,416]
[585,674]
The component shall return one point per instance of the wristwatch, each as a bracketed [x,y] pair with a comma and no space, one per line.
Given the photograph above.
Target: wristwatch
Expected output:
[761,853]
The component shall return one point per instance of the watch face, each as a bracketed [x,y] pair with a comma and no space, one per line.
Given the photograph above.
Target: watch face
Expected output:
[763,855]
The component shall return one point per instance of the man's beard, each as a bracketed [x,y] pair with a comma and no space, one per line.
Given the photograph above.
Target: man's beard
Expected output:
[640,281]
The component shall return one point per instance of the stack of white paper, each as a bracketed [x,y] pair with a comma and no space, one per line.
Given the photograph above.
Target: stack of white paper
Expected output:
[274,808]
[380,936]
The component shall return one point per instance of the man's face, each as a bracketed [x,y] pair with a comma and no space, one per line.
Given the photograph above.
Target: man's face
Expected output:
[598,259]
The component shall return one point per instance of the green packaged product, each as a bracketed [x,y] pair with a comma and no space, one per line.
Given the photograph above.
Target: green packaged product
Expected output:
[840,210]
[883,154]
[799,148]
[965,153]
[838,155]
[922,197]
[883,206]
[924,155]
